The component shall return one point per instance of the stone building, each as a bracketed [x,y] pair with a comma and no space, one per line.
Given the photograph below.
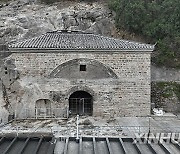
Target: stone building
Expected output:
[65,73]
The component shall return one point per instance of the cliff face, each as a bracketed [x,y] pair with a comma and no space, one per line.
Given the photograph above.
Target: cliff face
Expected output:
[23,19]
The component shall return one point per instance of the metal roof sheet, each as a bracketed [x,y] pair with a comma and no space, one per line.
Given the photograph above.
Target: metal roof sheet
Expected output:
[74,40]
[85,145]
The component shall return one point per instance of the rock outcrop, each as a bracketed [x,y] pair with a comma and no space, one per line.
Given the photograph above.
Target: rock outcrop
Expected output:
[164,74]
[22,19]
[166,95]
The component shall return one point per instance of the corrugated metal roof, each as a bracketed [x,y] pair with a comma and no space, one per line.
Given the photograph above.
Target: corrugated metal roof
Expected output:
[26,145]
[85,145]
[73,40]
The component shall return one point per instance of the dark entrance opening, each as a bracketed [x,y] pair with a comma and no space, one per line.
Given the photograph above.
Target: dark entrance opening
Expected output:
[81,103]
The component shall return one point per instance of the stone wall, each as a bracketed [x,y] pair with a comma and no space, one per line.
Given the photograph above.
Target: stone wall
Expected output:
[3,111]
[126,95]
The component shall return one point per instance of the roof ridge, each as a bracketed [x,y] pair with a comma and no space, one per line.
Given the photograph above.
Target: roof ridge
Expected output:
[69,31]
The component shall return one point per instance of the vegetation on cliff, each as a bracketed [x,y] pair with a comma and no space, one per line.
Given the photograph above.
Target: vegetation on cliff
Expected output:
[158,21]
[166,95]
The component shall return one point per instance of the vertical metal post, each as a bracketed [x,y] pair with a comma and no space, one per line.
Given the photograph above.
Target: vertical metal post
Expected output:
[77,129]
[15,114]
[149,128]
[36,112]
[67,112]
[139,129]
[17,133]
[83,99]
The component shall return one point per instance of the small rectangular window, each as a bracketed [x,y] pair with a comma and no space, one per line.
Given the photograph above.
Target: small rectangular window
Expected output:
[82,67]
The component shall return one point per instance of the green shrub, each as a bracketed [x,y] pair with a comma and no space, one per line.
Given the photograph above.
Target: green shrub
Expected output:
[167,89]
[157,21]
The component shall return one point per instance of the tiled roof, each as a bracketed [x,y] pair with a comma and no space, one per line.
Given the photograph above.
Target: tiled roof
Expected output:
[71,40]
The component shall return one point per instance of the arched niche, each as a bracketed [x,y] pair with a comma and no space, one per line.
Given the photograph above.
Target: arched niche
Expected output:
[83,68]
[43,108]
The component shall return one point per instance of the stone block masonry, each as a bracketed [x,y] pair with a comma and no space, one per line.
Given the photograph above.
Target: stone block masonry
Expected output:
[126,95]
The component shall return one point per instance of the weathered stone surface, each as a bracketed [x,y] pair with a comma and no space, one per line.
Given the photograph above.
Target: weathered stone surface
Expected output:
[24,19]
[3,112]
[165,74]
[126,95]
[172,104]
[8,72]
[166,95]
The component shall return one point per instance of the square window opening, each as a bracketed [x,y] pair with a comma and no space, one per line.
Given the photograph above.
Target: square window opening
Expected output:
[82,67]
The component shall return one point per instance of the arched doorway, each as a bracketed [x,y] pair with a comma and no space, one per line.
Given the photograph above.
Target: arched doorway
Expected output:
[43,108]
[81,103]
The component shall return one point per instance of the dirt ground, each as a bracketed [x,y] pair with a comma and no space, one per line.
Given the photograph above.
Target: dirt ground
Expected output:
[95,126]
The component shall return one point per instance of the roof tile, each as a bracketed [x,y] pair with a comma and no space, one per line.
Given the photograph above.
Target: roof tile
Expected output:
[65,40]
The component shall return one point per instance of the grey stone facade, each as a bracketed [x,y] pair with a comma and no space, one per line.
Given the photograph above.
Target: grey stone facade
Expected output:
[62,73]
[126,94]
